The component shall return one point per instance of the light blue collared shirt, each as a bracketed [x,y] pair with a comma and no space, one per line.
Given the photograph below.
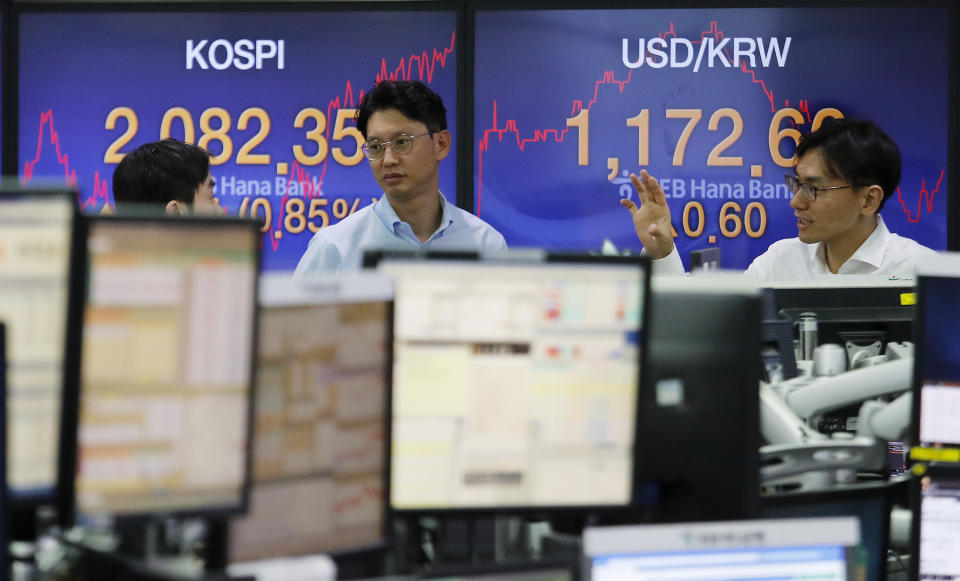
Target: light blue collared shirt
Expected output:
[377,227]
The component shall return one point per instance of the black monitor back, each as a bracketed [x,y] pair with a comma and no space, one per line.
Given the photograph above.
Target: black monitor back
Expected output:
[862,314]
[871,503]
[698,432]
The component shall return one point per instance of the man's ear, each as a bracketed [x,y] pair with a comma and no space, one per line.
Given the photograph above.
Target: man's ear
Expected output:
[176,207]
[872,199]
[442,141]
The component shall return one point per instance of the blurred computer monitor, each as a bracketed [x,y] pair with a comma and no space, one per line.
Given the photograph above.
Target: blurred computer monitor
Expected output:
[323,379]
[705,259]
[936,382]
[808,548]
[515,380]
[936,525]
[699,415]
[854,310]
[936,397]
[869,503]
[777,350]
[38,257]
[4,567]
[160,424]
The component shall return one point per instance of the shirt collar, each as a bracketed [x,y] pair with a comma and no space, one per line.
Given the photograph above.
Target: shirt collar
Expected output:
[870,252]
[446,214]
[384,210]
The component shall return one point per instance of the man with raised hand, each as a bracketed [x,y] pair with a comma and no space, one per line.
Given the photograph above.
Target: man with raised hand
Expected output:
[845,172]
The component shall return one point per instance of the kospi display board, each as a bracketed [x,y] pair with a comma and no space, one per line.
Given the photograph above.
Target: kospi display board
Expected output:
[710,101]
[271,94]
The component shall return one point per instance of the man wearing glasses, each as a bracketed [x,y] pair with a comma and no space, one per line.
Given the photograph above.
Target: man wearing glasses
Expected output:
[845,172]
[405,128]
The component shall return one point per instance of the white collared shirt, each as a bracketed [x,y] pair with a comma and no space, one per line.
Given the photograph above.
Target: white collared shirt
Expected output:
[882,253]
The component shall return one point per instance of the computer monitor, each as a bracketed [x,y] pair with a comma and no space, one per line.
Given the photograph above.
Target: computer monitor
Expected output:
[4,517]
[870,503]
[699,415]
[936,525]
[160,424]
[936,385]
[37,255]
[515,381]
[803,548]
[855,312]
[936,397]
[323,380]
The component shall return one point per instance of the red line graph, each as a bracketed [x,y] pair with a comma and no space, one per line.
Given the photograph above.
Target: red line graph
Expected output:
[718,35]
[367,495]
[608,77]
[100,188]
[425,64]
[923,196]
[362,449]
[420,66]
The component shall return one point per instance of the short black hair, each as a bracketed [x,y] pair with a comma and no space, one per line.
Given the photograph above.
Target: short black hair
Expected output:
[412,98]
[857,151]
[158,172]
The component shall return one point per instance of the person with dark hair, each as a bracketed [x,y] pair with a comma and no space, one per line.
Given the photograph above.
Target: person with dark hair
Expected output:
[845,172]
[167,175]
[404,124]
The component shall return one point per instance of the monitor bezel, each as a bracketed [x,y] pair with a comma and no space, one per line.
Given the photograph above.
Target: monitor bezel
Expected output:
[934,471]
[68,511]
[916,385]
[664,474]
[373,258]
[5,496]
[943,266]
[23,504]
[718,536]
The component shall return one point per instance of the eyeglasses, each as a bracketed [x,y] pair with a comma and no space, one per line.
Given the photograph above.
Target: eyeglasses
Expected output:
[401,145]
[809,191]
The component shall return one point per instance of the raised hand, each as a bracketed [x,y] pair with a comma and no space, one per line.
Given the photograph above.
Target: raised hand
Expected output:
[651,218]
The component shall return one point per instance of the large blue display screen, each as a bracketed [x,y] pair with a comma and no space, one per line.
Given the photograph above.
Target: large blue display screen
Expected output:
[270,94]
[711,102]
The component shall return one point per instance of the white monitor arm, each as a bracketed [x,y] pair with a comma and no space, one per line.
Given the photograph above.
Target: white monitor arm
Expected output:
[795,448]
[815,396]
